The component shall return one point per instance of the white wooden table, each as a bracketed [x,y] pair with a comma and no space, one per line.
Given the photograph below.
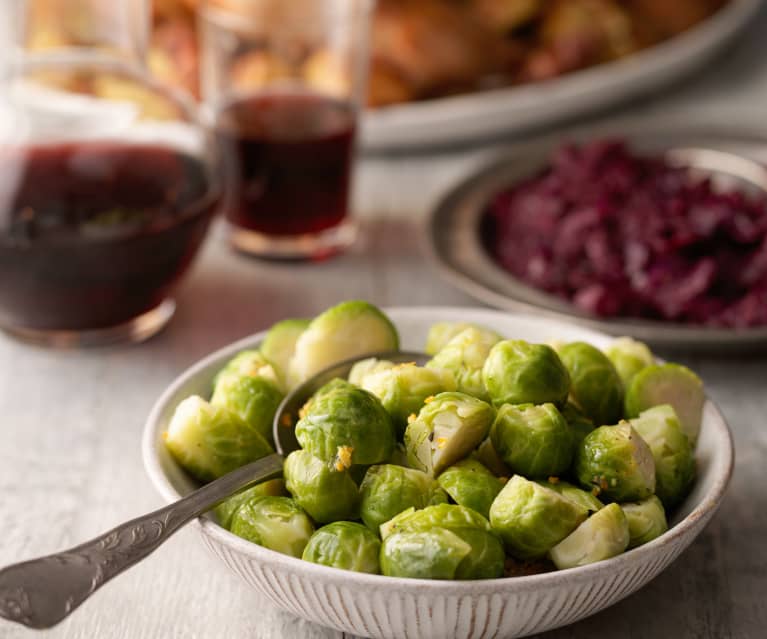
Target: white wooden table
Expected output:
[70,423]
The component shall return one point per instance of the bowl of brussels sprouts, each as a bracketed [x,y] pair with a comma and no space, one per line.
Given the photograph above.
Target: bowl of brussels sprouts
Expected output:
[522,474]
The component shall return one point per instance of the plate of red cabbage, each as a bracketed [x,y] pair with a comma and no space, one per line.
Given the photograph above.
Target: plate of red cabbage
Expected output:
[657,234]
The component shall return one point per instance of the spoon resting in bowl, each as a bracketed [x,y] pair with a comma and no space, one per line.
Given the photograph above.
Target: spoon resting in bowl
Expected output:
[39,593]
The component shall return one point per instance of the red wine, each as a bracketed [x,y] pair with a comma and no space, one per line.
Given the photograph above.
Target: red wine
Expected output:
[94,234]
[286,161]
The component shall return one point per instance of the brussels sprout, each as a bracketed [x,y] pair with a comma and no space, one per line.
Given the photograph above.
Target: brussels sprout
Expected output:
[629,357]
[447,516]
[647,520]
[535,441]
[432,554]
[403,388]
[254,399]
[490,459]
[277,523]
[345,331]
[249,363]
[574,494]
[472,485]
[595,385]
[617,463]
[669,384]
[579,424]
[365,366]
[603,535]
[517,372]
[441,542]
[464,356]
[531,518]
[347,425]
[345,545]
[671,450]
[399,455]
[280,343]
[447,429]
[210,441]
[333,385]
[387,490]
[442,332]
[226,509]
[322,491]
[394,524]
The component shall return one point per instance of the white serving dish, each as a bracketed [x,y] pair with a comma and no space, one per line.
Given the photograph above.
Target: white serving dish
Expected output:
[460,119]
[391,608]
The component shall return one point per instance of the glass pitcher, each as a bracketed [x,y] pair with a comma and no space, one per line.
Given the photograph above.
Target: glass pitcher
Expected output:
[106,183]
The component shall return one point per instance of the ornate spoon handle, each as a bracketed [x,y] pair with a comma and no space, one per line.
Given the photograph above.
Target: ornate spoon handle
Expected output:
[41,592]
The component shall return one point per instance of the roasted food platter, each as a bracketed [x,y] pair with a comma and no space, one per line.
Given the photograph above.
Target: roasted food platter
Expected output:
[522,107]
[450,71]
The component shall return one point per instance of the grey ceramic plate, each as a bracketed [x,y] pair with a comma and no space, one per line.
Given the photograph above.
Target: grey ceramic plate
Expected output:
[455,247]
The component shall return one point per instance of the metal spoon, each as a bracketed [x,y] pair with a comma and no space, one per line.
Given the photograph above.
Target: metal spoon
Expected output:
[39,593]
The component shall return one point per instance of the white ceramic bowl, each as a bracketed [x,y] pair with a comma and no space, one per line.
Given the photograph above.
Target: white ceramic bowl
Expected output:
[376,606]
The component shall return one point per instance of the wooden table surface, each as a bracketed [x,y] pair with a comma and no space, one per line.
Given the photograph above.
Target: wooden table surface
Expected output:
[70,423]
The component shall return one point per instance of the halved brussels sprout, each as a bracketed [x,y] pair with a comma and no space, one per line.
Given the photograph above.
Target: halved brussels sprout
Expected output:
[603,535]
[629,357]
[532,519]
[442,332]
[517,372]
[464,356]
[535,441]
[617,463]
[387,490]
[254,399]
[574,494]
[322,491]
[647,520]
[472,485]
[345,545]
[366,366]
[277,523]
[350,329]
[226,509]
[250,363]
[346,425]
[672,384]
[447,429]
[280,343]
[579,424]
[403,388]
[490,459]
[671,450]
[441,542]
[211,441]
[595,385]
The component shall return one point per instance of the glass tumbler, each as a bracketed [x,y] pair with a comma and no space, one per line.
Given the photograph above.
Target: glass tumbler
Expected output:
[283,83]
[106,181]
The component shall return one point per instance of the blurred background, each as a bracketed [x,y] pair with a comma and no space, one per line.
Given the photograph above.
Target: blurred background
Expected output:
[421,49]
